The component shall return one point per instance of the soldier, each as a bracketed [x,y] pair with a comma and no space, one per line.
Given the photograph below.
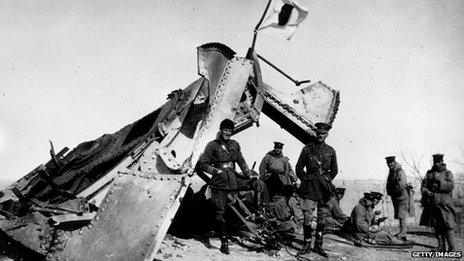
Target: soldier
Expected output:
[397,190]
[316,188]
[275,170]
[286,210]
[362,226]
[336,217]
[376,198]
[438,212]
[219,159]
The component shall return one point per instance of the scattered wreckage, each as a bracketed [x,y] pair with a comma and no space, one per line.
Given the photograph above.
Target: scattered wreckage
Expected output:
[114,198]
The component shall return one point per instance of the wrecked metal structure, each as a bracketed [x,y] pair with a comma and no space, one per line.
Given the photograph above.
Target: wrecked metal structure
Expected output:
[113,198]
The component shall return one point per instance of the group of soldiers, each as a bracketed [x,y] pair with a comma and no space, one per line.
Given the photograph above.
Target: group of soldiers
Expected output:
[292,197]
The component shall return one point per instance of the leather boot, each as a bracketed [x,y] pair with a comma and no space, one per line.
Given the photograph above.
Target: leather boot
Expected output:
[259,207]
[441,241]
[224,245]
[318,244]
[206,241]
[307,233]
[450,237]
[403,230]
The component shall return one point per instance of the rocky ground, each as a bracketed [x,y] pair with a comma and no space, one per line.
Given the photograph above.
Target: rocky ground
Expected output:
[174,248]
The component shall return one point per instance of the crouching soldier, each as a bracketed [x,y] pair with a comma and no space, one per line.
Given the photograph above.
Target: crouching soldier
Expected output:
[361,224]
[336,218]
[218,159]
[286,211]
[438,212]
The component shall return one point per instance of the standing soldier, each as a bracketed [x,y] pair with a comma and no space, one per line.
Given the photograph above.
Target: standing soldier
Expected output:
[316,168]
[438,210]
[397,190]
[219,159]
[275,170]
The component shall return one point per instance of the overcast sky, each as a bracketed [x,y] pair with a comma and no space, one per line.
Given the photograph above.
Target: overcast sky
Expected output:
[71,71]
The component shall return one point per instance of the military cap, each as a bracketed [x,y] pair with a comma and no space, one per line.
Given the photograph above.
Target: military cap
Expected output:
[390,159]
[322,127]
[227,124]
[437,157]
[341,190]
[376,195]
[368,196]
[278,145]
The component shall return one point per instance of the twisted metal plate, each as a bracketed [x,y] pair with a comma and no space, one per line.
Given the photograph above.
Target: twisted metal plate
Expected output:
[132,220]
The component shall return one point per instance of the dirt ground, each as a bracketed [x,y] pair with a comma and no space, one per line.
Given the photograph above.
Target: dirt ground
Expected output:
[174,248]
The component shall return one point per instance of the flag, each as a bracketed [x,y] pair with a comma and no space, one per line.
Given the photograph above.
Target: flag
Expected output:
[284,17]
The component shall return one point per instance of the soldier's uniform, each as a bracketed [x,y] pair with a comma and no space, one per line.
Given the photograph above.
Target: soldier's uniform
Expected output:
[336,217]
[316,188]
[361,223]
[438,210]
[275,170]
[218,159]
[397,189]
[287,212]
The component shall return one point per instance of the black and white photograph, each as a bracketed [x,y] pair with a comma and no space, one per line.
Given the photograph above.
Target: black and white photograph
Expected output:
[231,130]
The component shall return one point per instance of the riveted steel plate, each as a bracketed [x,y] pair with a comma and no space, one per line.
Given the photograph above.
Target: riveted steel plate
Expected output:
[131,221]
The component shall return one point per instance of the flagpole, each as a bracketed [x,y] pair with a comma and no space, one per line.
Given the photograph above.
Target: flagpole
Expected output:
[259,23]
[297,83]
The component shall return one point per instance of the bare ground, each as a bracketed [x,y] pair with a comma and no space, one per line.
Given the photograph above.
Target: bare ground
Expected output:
[174,248]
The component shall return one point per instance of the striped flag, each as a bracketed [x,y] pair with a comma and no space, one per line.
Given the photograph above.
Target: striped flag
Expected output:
[284,17]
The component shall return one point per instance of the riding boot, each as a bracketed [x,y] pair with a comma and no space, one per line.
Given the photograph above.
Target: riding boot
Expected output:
[450,237]
[403,229]
[318,243]
[207,242]
[224,245]
[307,233]
[441,241]
[259,207]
